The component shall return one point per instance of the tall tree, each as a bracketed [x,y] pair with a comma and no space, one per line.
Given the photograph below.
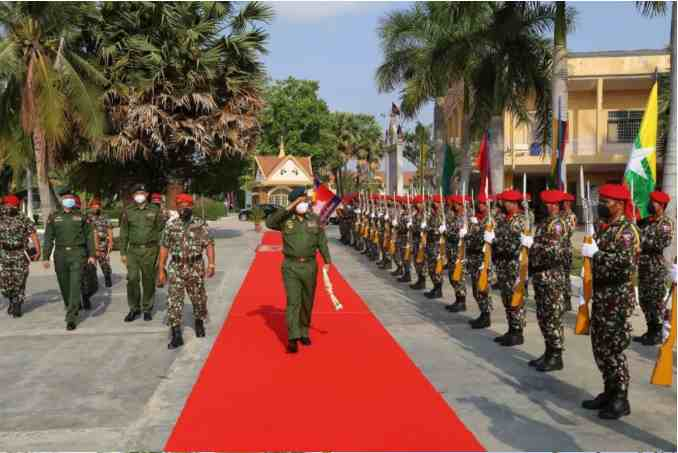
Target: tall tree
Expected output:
[559,105]
[50,94]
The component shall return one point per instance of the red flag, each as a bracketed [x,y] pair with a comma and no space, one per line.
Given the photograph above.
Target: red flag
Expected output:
[483,163]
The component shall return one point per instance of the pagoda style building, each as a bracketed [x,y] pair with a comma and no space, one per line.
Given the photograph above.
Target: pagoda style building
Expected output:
[277,176]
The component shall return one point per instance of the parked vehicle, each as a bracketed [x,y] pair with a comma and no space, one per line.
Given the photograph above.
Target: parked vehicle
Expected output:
[246,214]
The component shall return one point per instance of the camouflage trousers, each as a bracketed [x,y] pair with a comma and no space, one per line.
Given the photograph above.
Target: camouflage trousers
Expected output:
[567,285]
[612,308]
[104,261]
[474,263]
[548,297]
[507,272]
[13,275]
[188,279]
[431,260]
[652,293]
[460,286]
[421,267]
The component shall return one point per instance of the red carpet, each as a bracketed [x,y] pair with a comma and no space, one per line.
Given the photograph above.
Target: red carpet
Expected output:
[355,389]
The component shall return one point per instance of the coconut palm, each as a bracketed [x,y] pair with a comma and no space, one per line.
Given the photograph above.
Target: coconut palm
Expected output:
[49,96]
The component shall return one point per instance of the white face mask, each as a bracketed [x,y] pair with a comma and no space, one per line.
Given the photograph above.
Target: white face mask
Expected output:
[301,208]
[139,198]
[68,203]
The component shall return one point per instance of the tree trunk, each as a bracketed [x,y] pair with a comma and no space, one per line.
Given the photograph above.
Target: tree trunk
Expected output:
[40,150]
[497,154]
[669,177]
[29,192]
[175,186]
[440,134]
[559,81]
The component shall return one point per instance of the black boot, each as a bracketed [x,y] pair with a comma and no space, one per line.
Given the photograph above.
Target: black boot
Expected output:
[458,306]
[540,360]
[86,303]
[108,280]
[17,310]
[500,338]
[514,339]
[398,270]
[600,401]
[420,283]
[177,340]
[436,292]
[199,328]
[654,336]
[406,277]
[10,307]
[132,315]
[388,265]
[642,338]
[617,407]
[553,361]
[482,322]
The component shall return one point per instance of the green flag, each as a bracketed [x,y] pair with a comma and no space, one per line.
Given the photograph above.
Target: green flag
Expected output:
[449,166]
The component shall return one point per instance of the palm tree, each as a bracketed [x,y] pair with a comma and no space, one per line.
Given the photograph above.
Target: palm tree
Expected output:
[186,80]
[49,96]
[559,104]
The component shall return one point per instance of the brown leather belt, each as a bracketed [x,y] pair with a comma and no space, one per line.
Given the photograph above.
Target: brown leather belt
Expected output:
[300,259]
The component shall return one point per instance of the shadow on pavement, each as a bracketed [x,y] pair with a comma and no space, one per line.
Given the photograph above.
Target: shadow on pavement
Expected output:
[275,320]
[37,300]
[218,233]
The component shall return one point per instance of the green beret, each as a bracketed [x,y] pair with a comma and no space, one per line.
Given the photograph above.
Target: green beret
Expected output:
[296,193]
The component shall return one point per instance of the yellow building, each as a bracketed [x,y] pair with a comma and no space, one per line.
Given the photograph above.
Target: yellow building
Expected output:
[276,176]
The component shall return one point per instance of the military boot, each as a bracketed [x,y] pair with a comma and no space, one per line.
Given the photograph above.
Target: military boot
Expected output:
[406,277]
[436,292]
[398,270]
[420,283]
[177,340]
[500,338]
[600,401]
[617,406]
[513,339]
[539,360]
[458,306]
[17,310]
[108,280]
[654,336]
[388,265]
[553,360]
[10,307]
[199,328]
[643,338]
[482,322]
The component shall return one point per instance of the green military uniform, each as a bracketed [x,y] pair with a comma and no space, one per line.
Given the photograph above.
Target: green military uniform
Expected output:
[302,237]
[140,228]
[71,238]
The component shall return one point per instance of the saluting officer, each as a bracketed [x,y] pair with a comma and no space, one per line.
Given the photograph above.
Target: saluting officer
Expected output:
[140,228]
[302,236]
[70,236]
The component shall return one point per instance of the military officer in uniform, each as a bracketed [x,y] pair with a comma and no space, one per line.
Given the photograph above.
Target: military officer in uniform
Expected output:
[418,226]
[614,259]
[16,230]
[103,237]
[455,234]
[474,247]
[432,248]
[185,241]
[302,236]
[70,236]
[140,228]
[656,233]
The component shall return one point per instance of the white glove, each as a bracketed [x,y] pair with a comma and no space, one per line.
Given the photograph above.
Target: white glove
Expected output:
[674,272]
[394,223]
[588,250]
[526,241]
[386,217]
[488,236]
[442,229]
[357,211]
[462,232]
[381,214]
[372,215]
[409,224]
[423,225]
[474,219]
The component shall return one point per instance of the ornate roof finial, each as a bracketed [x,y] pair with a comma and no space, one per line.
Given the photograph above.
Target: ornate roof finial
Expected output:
[281,153]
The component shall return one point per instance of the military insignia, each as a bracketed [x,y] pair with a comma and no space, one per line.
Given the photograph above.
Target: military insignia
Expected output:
[312,224]
[58,219]
[150,214]
[77,217]
[289,224]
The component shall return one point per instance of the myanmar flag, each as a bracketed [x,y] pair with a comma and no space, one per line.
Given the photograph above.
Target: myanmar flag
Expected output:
[641,170]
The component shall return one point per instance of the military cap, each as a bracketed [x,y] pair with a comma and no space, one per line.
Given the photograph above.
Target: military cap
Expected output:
[511,195]
[568,197]
[614,192]
[552,196]
[11,200]
[660,197]
[139,188]
[296,193]
[184,198]
[482,198]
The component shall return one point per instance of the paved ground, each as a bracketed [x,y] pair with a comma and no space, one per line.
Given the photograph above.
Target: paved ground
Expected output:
[115,386]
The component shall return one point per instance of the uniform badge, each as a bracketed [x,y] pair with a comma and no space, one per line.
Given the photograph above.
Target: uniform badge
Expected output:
[289,225]
[312,224]
[77,217]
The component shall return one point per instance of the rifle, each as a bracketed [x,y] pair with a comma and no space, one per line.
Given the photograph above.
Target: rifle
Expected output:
[407,253]
[663,369]
[441,259]
[394,231]
[461,251]
[518,297]
[583,319]
[483,278]
[423,235]
[387,229]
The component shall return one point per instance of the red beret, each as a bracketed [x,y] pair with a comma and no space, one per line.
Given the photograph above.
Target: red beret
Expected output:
[78,202]
[184,198]
[156,197]
[95,202]
[437,199]
[660,197]
[569,197]
[614,192]
[482,198]
[11,200]
[511,195]
[551,196]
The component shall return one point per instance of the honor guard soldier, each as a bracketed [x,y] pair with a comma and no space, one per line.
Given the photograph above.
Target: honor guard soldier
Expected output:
[547,259]
[302,236]
[420,226]
[103,237]
[474,244]
[70,236]
[16,230]
[656,233]
[435,229]
[185,241]
[614,259]
[455,234]
[140,228]
[405,235]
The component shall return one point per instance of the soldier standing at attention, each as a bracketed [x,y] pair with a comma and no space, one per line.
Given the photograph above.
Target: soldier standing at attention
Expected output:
[70,236]
[405,225]
[140,227]
[417,228]
[656,233]
[432,246]
[614,259]
[474,242]
[15,231]
[185,240]
[302,236]
[505,254]
[455,234]
[103,237]
[547,259]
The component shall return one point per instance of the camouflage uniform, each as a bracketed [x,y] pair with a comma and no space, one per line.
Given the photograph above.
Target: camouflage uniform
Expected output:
[613,300]
[655,236]
[547,259]
[505,255]
[15,232]
[401,243]
[101,226]
[420,268]
[571,221]
[432,246]
[186,243]
[473,243]
[454,225]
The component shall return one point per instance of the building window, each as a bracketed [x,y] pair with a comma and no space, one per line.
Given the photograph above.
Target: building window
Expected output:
[279,197]
[623,125]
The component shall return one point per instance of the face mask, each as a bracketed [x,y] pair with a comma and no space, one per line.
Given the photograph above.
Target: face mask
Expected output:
[186,214]
[140,198]
[651,209]
[302,208]
[68,203]
[603,211]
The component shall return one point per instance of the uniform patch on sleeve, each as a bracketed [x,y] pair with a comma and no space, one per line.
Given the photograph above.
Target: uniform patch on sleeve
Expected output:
[312,224]
[289,224]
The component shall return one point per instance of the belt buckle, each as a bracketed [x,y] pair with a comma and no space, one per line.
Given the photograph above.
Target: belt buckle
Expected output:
[68,248]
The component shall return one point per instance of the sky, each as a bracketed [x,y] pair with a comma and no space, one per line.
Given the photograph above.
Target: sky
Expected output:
[336,44]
